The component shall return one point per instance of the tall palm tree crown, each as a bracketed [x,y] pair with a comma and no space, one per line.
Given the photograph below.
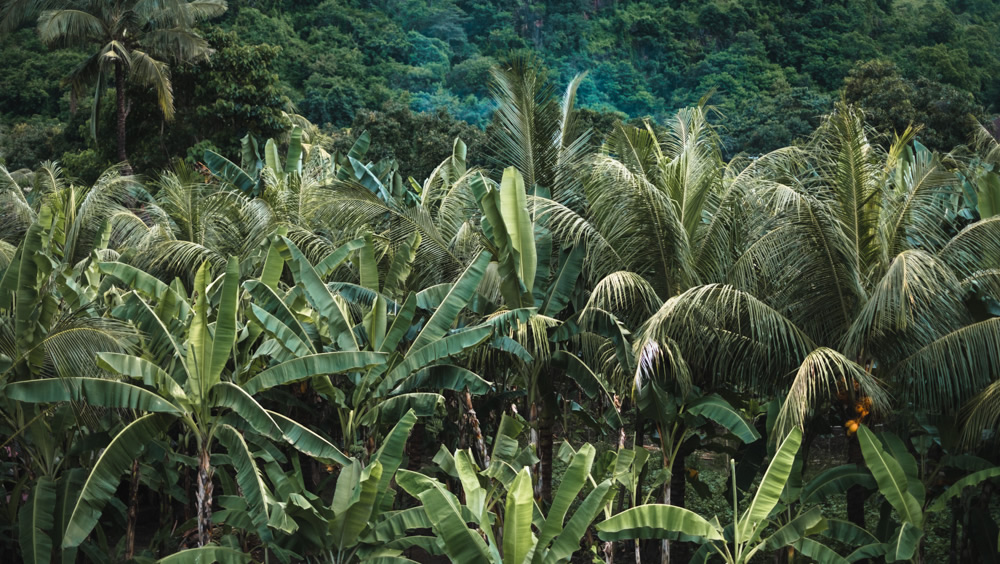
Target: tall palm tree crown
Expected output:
[135,40]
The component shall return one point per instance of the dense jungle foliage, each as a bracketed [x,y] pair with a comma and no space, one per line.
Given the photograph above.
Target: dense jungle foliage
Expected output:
[560,316]
[415,73]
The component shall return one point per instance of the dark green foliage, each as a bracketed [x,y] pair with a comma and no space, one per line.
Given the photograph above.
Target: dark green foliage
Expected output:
[773,68]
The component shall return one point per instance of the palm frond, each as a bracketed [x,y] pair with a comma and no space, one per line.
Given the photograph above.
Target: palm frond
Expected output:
[823,375]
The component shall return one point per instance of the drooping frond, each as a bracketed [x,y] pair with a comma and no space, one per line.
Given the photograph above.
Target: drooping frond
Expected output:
[918,300]
[802,263]
[729,335]
[627,295]
[915,203]
[641,222]
[975,248]
[947,372]
[823,375]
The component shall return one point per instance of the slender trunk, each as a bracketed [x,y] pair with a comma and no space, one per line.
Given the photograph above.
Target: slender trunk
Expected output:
[680,552]
[477,432]
[545,426]
[856,494]
[204,498]
[665,544]
[121,112]
[133,507]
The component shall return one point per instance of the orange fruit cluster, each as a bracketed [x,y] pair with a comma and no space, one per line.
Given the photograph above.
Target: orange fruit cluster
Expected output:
[862,408]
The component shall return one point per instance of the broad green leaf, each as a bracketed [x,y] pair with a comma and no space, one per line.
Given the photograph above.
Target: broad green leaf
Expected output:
[293,160]
[390,454]
[270,273]
[143,283]
[402,262]
[590,382]
[227,394]
[277,330]
[451,345]
[308,366]
[561,288]
[657,521]
[207,555]
[444,377]
[321,299]
[941,502]
[891,479]
[142,369]
[225,323]
[461,543]
[518,539]
[199,341]
[307,441]
[103,480]
[468,474]
[266,299]
[718,410]
[568,541]
[573,481]
[835,481]
[367,266]
[808,523]
[400,324]
[423,404]
[752,521]
[352,517]
[339,255]
[906,541]
[458,297]
[819,552]
[93,391]
[228,171]
[514,209]
[248,477]
[36,522]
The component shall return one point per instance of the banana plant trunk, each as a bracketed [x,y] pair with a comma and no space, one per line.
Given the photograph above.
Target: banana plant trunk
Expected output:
[545,420]
[204,497]
[133,508]
[477,432]
[121,112]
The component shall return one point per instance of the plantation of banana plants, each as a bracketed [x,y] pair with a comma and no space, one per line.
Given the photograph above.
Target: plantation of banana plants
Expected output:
[624,348]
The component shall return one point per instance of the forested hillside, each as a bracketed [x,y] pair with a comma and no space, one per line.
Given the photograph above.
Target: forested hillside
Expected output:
[771,68]
[420,282]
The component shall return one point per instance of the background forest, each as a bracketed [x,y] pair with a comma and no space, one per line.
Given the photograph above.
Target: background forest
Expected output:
[773,68]
[444,281]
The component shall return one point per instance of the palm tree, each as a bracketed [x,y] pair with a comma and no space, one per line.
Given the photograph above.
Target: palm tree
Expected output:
[135,40]
[851,281]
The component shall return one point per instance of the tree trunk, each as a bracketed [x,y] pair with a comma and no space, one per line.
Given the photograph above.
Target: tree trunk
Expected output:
[133,508]
[121,112]
[204,498]
[477,432]
[680,552]
[545,427]
[665,544]
[856,494]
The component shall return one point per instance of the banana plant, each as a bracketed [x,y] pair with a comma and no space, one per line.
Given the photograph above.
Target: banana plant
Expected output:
[897,475]
[307,528]
[182,383]
[738,542]
[505,524]
[314,316]
[530,281]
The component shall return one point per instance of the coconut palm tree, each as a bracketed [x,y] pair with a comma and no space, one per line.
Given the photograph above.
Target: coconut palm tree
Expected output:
[852,274]
[135,40]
